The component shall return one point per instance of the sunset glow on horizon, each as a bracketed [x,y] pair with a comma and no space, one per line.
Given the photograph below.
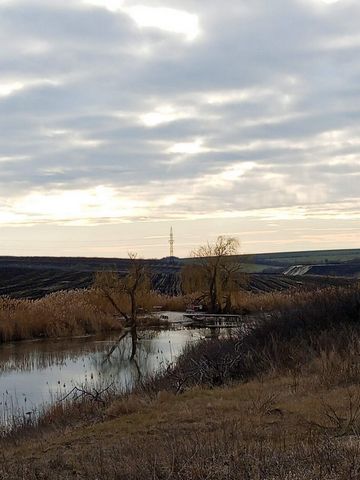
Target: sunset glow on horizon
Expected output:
[120,119]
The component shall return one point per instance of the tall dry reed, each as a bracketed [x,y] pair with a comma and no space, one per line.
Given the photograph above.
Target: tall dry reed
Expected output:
[58,314]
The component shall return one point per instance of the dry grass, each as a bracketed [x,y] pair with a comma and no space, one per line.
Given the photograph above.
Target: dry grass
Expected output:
[61,314]
[177,303]
[250,302]
[294,416]
[259,430]
[78,312]
[319,330]
[246,302]
[58,314]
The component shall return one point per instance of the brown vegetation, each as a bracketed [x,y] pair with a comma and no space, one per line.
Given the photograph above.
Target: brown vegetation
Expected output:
[214,275]
[302,331]
[265,430]
[59,314]
[284,403]
[78,312]
[63,314]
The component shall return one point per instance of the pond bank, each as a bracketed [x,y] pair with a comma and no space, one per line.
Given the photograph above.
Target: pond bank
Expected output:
[34,374]
[262,430]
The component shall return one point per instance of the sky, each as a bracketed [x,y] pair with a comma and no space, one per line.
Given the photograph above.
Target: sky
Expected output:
[121,118]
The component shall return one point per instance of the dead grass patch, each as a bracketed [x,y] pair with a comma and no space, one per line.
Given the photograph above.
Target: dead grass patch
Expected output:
[259,430]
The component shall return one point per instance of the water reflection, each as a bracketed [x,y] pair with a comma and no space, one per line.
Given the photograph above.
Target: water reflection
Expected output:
[36,373]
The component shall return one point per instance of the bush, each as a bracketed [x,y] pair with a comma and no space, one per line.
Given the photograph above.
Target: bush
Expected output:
[320,323]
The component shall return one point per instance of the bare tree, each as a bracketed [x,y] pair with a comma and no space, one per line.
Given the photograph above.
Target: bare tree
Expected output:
[214,274]
[126,295]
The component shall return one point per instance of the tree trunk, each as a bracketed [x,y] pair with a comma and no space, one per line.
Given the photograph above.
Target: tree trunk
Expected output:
[134,340]
[213,294]
[228,304]
[134,337]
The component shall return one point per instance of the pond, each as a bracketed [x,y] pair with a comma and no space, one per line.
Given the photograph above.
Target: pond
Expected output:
[34,374]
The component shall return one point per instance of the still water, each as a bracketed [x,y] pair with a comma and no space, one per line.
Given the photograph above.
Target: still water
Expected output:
[37,373]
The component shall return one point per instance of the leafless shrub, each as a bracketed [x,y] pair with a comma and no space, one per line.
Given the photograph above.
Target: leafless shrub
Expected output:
[284,342]
[263,403]
[343,421]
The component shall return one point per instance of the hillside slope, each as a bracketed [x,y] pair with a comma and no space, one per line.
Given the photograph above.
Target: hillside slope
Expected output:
[34,277]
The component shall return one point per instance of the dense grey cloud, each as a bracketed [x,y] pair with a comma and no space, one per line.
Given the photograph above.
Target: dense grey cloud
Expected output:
[253,106]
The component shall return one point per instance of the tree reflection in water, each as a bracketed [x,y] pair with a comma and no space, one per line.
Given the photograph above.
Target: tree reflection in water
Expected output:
[37,373]
[153,353]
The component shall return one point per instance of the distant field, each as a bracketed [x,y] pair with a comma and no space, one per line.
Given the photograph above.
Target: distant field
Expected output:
[259,268]
[279,262]
[304,258]
[34,277]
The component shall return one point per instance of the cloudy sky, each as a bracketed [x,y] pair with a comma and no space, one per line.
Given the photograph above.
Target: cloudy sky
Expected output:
[119,119]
